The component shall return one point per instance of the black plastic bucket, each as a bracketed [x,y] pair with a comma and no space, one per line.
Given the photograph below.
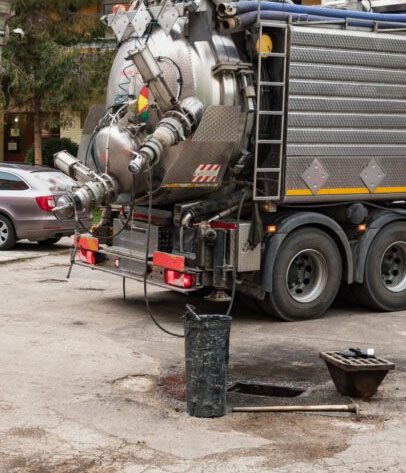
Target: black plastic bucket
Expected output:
[207,339]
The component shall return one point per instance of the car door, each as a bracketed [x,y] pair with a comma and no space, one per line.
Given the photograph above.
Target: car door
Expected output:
[14,193]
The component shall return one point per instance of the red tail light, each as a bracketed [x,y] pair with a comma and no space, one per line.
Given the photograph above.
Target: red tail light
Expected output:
[46,203]
[175,278]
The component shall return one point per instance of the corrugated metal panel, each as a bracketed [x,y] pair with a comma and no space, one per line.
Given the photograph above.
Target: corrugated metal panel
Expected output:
[346,58]
[343,104]
[344,150]
[340,174]
[358,136]
[346,120]
[346,89]
[346,39]
[346,104]
[342,73]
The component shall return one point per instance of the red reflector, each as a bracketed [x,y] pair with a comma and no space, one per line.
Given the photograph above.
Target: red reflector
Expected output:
[175,278]
[46,202]
[166,260]
[87,256]
[224,225]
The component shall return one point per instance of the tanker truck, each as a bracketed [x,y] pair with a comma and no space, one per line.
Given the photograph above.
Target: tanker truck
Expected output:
[254,148]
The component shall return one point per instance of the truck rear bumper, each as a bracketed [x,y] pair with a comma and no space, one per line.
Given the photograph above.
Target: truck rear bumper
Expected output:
[131,267]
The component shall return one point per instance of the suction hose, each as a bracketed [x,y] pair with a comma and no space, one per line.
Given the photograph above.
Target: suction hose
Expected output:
[232,9]
[247,19]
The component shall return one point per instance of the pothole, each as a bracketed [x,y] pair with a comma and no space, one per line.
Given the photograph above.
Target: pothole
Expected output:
[265,389]
[136,383]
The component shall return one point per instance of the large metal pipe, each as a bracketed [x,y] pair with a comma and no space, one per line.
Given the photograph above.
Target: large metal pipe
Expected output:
[97,190]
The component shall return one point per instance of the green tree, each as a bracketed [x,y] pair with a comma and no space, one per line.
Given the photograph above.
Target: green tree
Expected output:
[45,67]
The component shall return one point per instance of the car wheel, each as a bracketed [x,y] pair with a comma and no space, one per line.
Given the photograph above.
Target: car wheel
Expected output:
[306,276]
[49,241]
[7,234]
[384,286]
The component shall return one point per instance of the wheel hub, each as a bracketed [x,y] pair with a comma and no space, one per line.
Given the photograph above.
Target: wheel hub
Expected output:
[3,232]
[306,277]
[393,267]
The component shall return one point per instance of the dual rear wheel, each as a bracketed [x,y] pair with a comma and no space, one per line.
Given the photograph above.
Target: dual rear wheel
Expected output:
[308,272]
[306,276]
[384,286]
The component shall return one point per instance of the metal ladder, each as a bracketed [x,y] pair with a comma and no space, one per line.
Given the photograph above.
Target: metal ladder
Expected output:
[279,88]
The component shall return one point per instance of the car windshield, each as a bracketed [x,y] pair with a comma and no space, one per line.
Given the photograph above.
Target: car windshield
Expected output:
[56,181]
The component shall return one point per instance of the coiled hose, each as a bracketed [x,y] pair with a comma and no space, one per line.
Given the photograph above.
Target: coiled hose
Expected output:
[243,14]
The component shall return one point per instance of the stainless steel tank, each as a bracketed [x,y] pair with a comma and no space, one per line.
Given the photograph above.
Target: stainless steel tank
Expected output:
[207,70]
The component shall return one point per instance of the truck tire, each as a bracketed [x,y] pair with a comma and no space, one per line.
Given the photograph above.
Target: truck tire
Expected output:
[7,234]
[306,276]
[384,286]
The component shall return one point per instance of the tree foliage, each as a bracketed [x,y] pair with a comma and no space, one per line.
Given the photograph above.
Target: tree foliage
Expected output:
[50,146]
[48,68]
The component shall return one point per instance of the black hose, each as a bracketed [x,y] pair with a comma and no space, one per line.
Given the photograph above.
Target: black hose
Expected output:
[233,291]
[168,332]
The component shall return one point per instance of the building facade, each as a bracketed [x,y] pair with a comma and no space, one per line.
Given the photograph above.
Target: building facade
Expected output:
[17,127]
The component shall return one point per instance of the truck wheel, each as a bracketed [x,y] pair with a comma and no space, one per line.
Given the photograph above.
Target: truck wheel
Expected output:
[306,276]
[7,234]
[384,286]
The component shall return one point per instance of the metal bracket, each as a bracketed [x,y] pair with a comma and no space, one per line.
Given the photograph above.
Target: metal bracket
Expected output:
[120,24]
[315,176]
[167,15]
[372,175]
[141,19]
[238,67]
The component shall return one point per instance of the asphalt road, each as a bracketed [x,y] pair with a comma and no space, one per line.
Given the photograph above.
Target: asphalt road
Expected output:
[88,384]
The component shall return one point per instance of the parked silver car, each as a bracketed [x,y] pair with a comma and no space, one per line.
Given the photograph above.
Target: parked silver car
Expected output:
[27,197]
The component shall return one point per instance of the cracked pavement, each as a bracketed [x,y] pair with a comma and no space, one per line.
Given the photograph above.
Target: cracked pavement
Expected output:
[89,385]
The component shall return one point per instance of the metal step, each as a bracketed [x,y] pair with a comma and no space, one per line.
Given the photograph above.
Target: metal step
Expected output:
[269,142]
[268,170]
[273,54]
[276,112]
[272,84]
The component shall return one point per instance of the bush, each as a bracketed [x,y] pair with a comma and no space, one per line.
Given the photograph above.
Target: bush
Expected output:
[50,146]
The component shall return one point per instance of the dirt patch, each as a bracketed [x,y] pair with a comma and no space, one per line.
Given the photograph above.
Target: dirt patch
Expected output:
[47,281]
[295,437]
[107,460]
[135,384]
[28,432]
[20,464]
[173,386]
[90,289]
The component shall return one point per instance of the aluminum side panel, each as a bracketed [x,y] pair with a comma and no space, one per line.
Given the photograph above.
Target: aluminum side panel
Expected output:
[346,105]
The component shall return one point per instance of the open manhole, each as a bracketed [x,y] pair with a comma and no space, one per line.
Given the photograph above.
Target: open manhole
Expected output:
[265,389]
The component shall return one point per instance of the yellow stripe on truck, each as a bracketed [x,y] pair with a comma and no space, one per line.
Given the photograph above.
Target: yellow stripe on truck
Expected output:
[346,191]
